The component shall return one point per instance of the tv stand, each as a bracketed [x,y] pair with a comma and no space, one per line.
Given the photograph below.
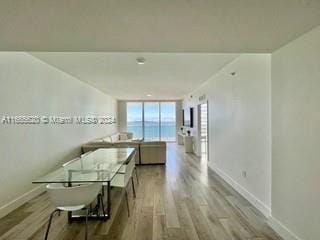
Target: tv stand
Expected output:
[180,138]
[188,144]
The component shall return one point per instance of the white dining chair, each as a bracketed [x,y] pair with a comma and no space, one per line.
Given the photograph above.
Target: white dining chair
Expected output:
[122,178]
[72,199]
[77,164]
[76,160]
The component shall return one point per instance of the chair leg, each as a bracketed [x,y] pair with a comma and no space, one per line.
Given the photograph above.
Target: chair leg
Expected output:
[133,190]
[126,193]
[135,169]
[49,224]
[97,207]
[102,206]
[102,190]
[87,213]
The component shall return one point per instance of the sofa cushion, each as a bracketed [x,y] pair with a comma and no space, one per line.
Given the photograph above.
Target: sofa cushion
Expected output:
[129,135]
[114,137]
[123,136]
[107,139]
[98,140]
[124,141]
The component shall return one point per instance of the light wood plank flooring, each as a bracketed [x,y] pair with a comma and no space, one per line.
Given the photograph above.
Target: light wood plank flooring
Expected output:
[180,201]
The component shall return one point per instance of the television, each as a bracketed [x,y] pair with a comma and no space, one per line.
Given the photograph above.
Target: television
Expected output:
[187,117]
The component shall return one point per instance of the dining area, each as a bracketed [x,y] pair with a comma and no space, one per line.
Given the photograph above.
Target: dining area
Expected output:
[83,187]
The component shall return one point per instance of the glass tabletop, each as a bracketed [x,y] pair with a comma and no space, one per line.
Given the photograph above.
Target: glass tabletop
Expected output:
[100,165]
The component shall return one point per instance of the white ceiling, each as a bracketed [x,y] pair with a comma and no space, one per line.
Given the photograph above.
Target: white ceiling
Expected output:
[242,26]
[164,75]
[174,32]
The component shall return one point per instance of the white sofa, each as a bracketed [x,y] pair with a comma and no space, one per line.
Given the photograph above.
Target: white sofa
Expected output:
[148,152]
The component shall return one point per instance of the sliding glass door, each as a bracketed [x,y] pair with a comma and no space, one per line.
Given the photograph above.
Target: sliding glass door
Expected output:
[152,120]
[168,121]
[135,119]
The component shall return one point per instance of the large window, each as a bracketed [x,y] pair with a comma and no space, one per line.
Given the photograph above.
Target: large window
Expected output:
[168,121]
[152,120]
[135,119]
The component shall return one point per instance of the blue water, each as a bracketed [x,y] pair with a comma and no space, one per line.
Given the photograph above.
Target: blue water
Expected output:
[152,131]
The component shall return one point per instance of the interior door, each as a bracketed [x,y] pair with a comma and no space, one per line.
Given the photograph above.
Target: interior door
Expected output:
[204,131]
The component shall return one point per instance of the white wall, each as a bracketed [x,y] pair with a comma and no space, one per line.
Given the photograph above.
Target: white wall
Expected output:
[178,117]
[239,126]
[32,87]
[296,138]
[122,116]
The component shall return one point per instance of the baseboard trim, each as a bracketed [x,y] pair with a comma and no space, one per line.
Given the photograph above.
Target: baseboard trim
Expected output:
[14,204]
[264,209]
[282,230]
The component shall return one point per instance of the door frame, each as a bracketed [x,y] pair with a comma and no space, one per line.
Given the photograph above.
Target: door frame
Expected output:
[199,128]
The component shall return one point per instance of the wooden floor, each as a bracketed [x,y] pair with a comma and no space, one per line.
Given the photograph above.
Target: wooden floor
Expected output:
[182,200]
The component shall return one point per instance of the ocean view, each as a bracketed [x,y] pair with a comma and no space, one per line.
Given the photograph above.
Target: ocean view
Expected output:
[152,130]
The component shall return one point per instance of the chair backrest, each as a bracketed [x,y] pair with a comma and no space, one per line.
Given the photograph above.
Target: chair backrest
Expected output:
[85,154]
[132,164]
[70,162]
[72,196]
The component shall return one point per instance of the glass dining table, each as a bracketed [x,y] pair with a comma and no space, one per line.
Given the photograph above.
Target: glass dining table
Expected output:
[99,166]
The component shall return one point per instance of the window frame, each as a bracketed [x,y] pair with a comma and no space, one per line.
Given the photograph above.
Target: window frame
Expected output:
[159,116]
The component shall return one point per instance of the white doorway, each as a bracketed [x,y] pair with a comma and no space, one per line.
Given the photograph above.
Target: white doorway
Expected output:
[203,131]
